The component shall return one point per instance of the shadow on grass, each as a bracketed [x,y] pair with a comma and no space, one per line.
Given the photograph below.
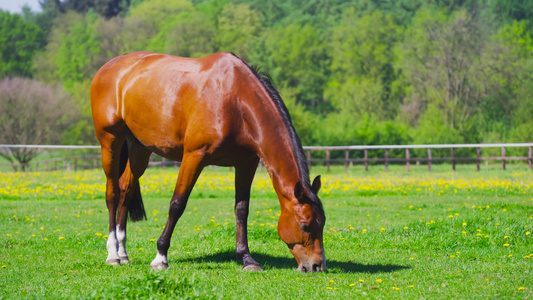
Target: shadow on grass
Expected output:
[276,262]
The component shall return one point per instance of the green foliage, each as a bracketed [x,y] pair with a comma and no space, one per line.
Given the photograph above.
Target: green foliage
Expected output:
[236,25]
[296,60]
[190,34]
[438,71]
[362,75]
[341,129]
[77,49]
[81,132]
[19,41]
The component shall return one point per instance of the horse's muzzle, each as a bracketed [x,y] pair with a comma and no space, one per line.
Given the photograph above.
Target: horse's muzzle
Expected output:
[313,267]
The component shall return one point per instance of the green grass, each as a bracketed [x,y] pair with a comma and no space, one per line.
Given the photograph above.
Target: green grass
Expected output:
[388,235]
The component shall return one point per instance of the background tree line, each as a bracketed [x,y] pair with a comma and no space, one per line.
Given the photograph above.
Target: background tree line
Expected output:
[352,72]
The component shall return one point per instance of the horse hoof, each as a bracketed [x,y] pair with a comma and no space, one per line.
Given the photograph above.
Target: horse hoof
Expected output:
[159,266]
[252,268]
[124,260]
[113,262]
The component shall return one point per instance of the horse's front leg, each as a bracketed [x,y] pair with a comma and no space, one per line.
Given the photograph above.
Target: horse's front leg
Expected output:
[188,174]
[244,176]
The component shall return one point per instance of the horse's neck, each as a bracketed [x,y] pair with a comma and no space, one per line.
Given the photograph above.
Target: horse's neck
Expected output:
[279,156]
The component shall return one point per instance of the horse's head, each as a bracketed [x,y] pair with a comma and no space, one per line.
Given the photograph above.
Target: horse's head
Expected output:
[301,227]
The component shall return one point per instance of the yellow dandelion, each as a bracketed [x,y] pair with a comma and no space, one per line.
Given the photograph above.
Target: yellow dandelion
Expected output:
[506,245]
[379,280]
[361,280]
[352,284]
[464,224]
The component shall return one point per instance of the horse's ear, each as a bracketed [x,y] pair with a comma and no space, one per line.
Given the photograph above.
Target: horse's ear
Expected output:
[315,187]
[298,190]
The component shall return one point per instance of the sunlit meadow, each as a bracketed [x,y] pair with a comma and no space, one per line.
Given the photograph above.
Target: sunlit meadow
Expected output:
[388,235]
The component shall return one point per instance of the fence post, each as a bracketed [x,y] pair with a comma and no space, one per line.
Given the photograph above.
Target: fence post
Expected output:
[530,157]
[366,159]
[503,158]
[478,154]
[386,160]
[407,157]
[162,162]
[429,159]
[327,160]
[453,159]
[346,160]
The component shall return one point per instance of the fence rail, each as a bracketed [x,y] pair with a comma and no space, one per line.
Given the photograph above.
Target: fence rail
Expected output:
[93,161]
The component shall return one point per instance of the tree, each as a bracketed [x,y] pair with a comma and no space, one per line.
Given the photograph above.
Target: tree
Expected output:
[32,113]
[76,55]
[147,20]
[189,34]
[296,58]
[362,73]
[19,41]
[46,66]
[236,25]
[105,8]
[442,58]
[515,76]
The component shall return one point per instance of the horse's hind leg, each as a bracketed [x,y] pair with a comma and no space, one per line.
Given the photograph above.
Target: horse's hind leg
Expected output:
[111,147]
[130,194]
[244,176]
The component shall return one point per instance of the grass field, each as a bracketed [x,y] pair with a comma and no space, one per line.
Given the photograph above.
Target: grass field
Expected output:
[388,235]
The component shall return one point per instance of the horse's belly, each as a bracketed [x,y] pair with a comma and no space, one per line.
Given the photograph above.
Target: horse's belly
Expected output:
[162,139]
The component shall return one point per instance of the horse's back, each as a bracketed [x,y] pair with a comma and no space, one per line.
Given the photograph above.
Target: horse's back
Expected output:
[163,100]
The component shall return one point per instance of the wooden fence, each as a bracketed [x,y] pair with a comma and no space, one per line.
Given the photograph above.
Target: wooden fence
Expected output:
[94,161]
[408,159]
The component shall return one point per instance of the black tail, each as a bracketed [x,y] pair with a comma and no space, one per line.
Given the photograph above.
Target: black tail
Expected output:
[135,204]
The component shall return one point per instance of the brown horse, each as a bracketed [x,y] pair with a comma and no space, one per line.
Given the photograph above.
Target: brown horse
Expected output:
[214,110]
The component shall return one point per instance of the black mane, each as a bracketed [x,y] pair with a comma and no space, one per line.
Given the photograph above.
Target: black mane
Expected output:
[267,83]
